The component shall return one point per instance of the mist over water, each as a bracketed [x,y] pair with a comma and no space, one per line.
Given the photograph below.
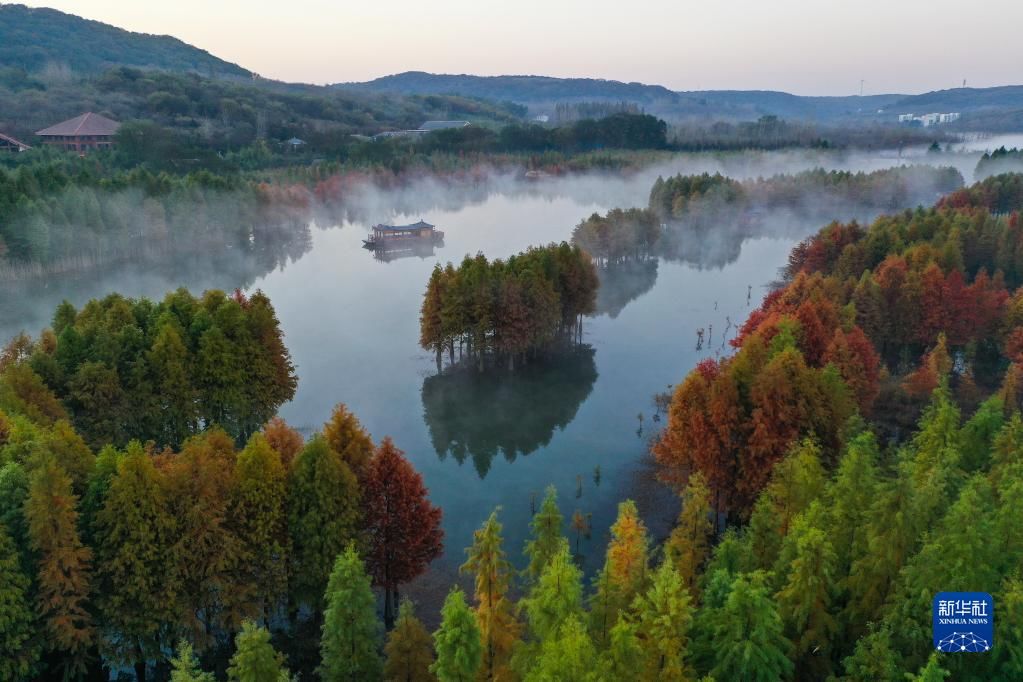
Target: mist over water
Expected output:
[351,323]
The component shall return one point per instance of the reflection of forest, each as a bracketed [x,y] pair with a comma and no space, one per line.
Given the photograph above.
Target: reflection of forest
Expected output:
[478,415]
[622,283]
[238,262]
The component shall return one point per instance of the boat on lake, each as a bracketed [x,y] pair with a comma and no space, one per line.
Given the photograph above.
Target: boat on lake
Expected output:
[388,237]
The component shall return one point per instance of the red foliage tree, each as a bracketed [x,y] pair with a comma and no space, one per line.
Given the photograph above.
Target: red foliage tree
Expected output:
[403,528]
[858,363]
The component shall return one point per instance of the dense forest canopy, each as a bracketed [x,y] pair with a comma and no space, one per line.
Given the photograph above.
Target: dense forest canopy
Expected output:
[694,208]
[503,311]
[124,370]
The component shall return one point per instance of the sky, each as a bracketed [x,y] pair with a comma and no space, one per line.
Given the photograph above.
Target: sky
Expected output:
[807,47]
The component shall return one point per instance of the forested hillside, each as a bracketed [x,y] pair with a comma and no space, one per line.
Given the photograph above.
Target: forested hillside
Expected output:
[38,39]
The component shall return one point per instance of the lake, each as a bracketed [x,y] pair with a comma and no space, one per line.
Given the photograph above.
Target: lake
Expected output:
[351,323]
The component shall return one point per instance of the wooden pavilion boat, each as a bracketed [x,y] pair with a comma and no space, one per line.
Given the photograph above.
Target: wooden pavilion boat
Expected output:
[387,237]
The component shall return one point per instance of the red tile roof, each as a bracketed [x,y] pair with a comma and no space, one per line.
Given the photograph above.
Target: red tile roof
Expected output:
[86,124]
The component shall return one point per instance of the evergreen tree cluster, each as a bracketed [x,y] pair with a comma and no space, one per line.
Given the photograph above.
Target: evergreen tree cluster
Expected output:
[686,211]
[109,559]
[808,191]
[124,369]
[510,310]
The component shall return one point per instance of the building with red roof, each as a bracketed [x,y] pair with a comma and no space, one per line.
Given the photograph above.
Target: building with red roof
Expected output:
[82,133]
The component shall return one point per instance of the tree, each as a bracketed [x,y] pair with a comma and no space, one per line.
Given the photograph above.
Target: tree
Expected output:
[624,572]
[402,527]
[258,519]
[185,666]
[135,533]
[547,537]
[567,656]
[170,364]
[284,439]
[875,659]
[663,616]
[932,672]
[323,516]
[748,638]
[623,657]
[63,569]
[805,600]
[409,649]
[345,436]
[555,597]
[348,647]
[19,648]
[199,482]
[457,642]
[688,546]
[254,659]
[499,629]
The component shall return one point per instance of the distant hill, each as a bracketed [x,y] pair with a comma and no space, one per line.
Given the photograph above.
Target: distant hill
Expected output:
[36,38]
[988,107]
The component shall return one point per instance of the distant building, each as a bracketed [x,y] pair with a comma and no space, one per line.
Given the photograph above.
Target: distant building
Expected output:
[82,133]
[927,120]
[430,126]
[541,118]
[295,144]
[9,144]
[391,236]
[427,127]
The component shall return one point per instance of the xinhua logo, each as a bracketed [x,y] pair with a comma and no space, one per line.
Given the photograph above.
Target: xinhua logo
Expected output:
[964,622]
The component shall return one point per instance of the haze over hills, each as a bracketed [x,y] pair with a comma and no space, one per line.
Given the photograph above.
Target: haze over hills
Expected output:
[37,44]
[542,92]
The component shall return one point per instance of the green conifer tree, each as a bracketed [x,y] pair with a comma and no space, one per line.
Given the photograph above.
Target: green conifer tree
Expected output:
[185,666]
[255,659]
[664,615]
[748,637]
[351,631]
[547,534]
[19,645]
[323,516]
[457,642]
[135,533]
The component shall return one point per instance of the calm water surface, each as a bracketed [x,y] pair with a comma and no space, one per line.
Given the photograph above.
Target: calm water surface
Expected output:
[351,322]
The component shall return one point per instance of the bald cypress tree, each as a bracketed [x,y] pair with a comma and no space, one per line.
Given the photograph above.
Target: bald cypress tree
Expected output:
[323,517]
[63,570]
[19,645]
[345,436]
[748,638]
[547,534]
[688,547]
[499,629]
[457,642]
[351,631]
[257,517]
[624,573]
[138,589]
[664,615]
[409,649]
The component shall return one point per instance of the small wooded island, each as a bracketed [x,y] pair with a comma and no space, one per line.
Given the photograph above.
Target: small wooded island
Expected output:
[497,311]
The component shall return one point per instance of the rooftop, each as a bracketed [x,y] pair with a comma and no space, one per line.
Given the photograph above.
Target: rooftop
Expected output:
[441,125]
[414,226]
[86,124]
[12,142]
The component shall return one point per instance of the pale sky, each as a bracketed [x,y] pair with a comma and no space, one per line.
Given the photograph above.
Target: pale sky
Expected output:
[802,46]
